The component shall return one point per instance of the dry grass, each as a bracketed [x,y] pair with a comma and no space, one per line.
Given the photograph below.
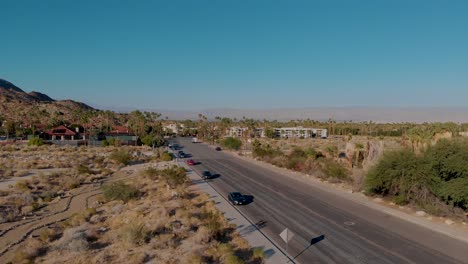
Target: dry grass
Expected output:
[51,171]
[156,226]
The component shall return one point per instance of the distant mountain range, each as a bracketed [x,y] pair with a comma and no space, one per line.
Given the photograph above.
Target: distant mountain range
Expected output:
[356,114]
[16,104]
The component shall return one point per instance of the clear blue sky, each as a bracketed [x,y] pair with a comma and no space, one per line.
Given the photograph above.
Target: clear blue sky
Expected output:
[239,54]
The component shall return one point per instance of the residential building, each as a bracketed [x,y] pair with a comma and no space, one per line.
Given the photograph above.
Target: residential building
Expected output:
[300,132]
[283,132]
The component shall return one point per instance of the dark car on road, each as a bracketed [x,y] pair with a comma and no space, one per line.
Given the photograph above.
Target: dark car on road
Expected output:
[181,154]
[207,175]
[218,149]
[237,198]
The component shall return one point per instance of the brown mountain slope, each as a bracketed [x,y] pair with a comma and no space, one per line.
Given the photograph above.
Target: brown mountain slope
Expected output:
[35,107]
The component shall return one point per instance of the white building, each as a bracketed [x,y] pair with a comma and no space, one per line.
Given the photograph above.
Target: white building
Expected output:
[173,127]
[283,132]
[236,131]
[301,132]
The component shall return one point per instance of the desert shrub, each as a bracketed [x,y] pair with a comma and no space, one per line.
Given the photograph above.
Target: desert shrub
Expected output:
[225,249]
[134,233]
[47,235]
[397,173]
[166,156]
[119,191]
[151,173]
[28,252]
[174,176]
[312,153]
[233,259]
[22,185]
[35,141]
[263,151]
[449,159]
[332,150]
[83,169]
[333,169]
[258,254]
[212,220]
[439,174]
[74,239]
[121,157]
[111,142]
[455,192]
[231,143]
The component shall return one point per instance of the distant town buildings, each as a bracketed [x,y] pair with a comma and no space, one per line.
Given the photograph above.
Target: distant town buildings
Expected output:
[172,127]
[282,132]
[301,132]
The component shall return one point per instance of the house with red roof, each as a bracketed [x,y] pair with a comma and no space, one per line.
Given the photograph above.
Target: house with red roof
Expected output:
[62,133]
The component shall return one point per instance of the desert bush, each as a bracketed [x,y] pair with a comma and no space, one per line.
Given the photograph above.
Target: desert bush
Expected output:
[233,259]
[258,254]
[47,235]
[333,169]
[121,157]
[212,220]
[174,176]
[151,173]
[111,142]
[262,151]
[74,239]
[166,156]
[134,233]
[439,171]
[119,191]
[35,141]
[396,174]
[28,252]
[83,169]
[231,143]
[22,185]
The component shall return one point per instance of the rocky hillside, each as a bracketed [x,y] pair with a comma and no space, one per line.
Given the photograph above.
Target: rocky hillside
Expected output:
[36,107]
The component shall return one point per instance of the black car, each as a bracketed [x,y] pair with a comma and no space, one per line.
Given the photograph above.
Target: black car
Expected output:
[207,175]
[181,154]
[218,149]
[237,198]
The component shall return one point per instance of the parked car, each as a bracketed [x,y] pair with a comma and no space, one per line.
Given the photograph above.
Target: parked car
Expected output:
[181,154]
[237,198]
[207,175]
[190,162]
[218,148]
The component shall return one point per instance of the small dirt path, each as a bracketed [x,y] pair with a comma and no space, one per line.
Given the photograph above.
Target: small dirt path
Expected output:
[13,234]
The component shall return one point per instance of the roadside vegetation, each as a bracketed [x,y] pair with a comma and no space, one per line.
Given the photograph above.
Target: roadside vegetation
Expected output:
[153,217]
[231,143]
[435,180]
[307,161]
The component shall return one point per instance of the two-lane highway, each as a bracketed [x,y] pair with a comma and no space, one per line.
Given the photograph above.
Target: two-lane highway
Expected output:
[342,231]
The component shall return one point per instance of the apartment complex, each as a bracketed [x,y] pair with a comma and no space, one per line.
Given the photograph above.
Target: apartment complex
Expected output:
[301,132]
[283,132]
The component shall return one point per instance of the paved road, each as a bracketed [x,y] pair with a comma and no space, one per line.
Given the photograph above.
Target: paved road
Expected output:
[342,231]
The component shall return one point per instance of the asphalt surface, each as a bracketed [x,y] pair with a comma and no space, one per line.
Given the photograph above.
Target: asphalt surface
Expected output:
[326,228]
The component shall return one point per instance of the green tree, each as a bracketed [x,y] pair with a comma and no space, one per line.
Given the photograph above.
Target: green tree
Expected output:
[231,143]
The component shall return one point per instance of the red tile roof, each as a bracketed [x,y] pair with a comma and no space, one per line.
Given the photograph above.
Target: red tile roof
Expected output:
[61,131]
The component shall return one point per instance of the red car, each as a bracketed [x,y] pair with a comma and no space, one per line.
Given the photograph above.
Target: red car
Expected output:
[190,162]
